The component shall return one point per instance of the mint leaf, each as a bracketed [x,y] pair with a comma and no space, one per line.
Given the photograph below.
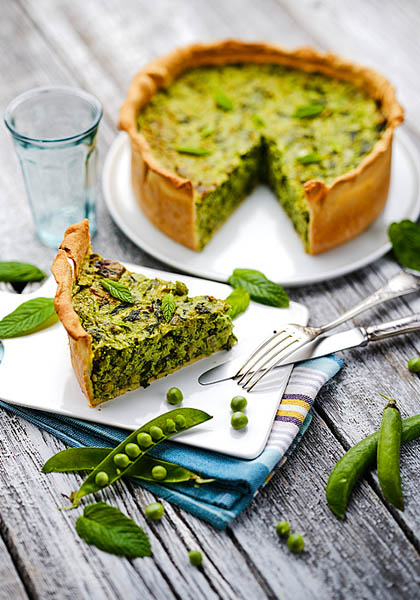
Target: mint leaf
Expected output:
[405,240]
[13,271]
[168,306]
[117,290]
[193,150]
[110,530]
[223,101]
[239,302]
[308,159]
[258,121]
[308,111]
[28,317]
[260,288]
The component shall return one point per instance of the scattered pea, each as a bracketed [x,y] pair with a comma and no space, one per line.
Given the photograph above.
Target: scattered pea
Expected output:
[132,450]
[195,557]
[239,420]
[414,364]
[170,426]
[154,511]
[174,395]
[238,403]
[156,433]
[295,542]
[180,421]
[282,528]
[101,478]
[144,440]
[121,460]
[159,473]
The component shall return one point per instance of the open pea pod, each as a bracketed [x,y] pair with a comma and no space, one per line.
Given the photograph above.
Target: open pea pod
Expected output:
[123,459]
[87,458]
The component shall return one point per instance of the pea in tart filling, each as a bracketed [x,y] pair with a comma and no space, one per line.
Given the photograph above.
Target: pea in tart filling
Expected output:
[208,121]
[117,345]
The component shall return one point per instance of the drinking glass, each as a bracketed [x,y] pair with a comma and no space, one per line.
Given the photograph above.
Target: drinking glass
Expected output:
[54,134]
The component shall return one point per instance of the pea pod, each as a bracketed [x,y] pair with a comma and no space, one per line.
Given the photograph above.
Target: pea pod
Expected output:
[87,458]
[388,454]
[356,461]
[147,437]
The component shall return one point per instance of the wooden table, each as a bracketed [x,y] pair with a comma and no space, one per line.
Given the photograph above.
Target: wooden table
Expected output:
[99,45]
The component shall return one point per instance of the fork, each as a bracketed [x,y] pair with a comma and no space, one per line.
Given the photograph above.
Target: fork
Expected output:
[292,336]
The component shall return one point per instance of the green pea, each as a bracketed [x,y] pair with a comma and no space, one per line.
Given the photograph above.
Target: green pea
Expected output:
[174,395]
[180,421]
[282,528]
[170,426]
[159,473]
[144,440]
[132,450]
[295,542]
[388,454]
[195,557]
[238,403]
[101,478]
[414,364]
[239,420]
[121,460]
[154,511]
[156,433]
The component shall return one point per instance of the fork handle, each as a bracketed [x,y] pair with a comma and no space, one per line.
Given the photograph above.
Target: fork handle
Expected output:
[393,328]
[401,284]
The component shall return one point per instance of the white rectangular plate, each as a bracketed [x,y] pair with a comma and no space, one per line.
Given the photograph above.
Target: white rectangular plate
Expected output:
[36,372]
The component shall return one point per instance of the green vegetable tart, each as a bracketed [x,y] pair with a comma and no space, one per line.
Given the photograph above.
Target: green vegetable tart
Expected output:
[125,329]
[208,121]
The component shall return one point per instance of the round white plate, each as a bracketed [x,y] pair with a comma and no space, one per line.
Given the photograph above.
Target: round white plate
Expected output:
[259,235]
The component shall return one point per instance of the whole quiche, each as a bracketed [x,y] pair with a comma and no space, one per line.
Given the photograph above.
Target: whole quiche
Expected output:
[208,122]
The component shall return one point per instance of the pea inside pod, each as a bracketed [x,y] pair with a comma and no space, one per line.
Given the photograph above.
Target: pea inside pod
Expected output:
[192,417]
[87,458]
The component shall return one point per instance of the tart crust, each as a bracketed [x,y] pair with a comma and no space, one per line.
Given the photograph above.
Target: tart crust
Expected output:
[338,211]
[65,267]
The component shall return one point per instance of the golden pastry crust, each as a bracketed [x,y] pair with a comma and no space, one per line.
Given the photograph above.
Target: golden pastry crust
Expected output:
[339,211]
[75,246]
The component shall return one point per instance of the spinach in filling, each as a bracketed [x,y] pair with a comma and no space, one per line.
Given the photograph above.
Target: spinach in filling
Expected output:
[132,343]
[278,125]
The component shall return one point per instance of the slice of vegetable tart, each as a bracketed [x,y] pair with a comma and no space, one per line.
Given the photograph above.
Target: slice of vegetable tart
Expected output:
[125,329]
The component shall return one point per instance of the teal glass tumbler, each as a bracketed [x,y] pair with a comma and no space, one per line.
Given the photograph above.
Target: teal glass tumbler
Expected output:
[54,133]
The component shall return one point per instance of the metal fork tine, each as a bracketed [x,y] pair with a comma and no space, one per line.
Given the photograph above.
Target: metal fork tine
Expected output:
[266,368]
[255,367]
[256,351]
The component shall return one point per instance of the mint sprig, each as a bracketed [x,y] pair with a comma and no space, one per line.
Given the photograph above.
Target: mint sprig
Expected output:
[168,306]
[223,101]
[117,290]
[28,318]
[14,271]
[260,288]
[405,240]
[110,530]
[308,111]
[238,301]
[308,159]
[194,151]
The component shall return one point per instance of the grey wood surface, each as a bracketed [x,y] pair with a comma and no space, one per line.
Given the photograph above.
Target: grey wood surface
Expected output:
[99,45]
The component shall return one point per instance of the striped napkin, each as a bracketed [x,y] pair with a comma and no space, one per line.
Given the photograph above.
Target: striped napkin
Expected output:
[237,481]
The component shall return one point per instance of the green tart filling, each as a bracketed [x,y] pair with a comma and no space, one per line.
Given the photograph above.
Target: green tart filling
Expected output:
[136,342]
[226,128]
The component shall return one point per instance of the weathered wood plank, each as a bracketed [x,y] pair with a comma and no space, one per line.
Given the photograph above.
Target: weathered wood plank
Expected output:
[11,584]
[365,556]
[53,557]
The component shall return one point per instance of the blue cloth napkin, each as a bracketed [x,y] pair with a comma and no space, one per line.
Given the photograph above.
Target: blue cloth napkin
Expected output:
[238,481]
